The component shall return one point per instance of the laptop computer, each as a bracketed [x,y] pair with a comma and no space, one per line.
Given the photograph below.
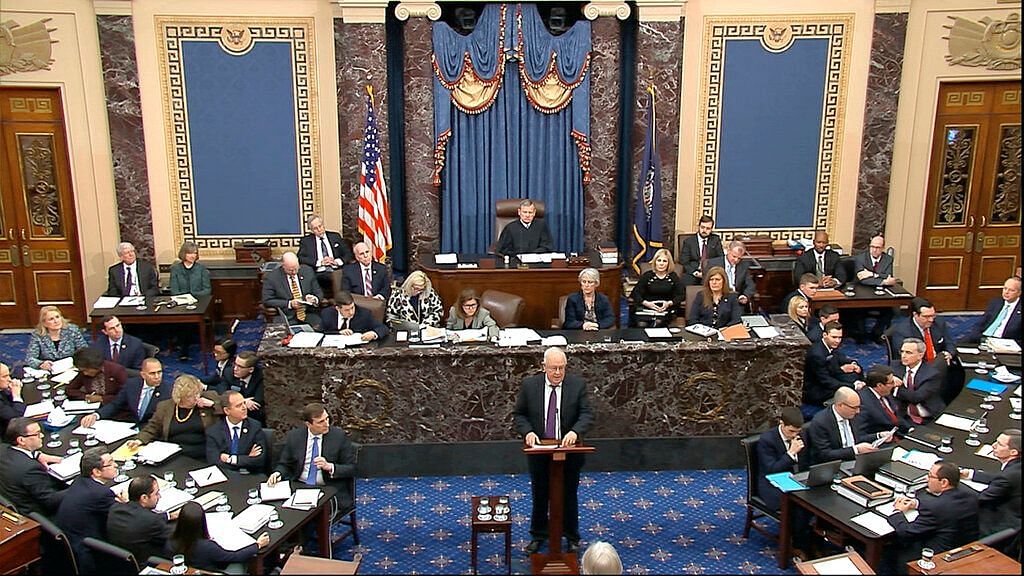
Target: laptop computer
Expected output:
[294,328]
[868,464]
[819,474]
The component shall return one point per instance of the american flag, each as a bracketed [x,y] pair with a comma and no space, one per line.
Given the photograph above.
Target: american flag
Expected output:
[374,213]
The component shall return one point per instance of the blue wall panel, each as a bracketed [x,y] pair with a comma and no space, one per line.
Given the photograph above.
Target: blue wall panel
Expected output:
[770,134]
[241,116]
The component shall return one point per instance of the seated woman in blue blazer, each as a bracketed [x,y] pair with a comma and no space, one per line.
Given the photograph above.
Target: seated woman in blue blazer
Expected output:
[588,309]
[715,305]
[192,539]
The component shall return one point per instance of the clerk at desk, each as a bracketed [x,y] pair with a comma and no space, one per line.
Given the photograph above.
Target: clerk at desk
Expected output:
[525,236]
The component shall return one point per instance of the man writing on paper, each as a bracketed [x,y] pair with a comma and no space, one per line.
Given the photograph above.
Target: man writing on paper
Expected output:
[553,406]
[524,236]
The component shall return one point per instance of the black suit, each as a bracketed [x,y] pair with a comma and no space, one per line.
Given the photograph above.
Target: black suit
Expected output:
[9,409]
[277,293]
[941,340]
[214,379]
[806,263]
[131,354]
[362,321]
[879,271]
[341,248]
[689,255]
[218,441]
[772,458]
[873,418]
[823,373]
[518,239]
[1000,502]
[730,312]
[576,310]
[744,282]
[26,483]
[995,305]
[826,442]
[251,389]
[575,414]
[126,404]
[208,555]
[927,391]
[83,514]
[794,294]
[943,523]
[380,280]
[147,280]
[138,530]
[335,447]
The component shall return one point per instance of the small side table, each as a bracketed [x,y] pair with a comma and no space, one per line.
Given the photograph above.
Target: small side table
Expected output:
[482,515]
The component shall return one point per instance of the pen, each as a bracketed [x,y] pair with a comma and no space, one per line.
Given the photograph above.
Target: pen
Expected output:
[209,476]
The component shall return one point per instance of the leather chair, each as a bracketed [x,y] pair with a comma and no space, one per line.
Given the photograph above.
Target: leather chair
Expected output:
[268,462]
[756,507]
[376,306]
[505,308]
[112,559]
[891,352]
[346,517]
[556,323]
[691,295]
[55,548]
[506,211]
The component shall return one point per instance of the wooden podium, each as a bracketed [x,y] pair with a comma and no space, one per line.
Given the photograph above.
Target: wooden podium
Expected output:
[554,561]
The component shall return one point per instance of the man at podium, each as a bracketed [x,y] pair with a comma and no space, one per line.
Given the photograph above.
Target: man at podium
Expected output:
[524,236]
[553,406]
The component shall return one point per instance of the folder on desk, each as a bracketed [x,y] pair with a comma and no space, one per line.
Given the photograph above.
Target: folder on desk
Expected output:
[785,482]
[986,386]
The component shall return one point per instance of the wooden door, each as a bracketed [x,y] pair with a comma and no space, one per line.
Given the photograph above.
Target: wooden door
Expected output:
[971,236]
[40,263]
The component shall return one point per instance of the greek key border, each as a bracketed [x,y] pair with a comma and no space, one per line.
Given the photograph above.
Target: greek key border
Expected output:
[299,33]
[837,29]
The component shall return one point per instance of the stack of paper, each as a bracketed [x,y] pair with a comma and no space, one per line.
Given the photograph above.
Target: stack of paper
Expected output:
[554,340]
[303,499]
[67,468]
[888,509]
[157,451]
[104,302]
[874,523]
[171,499]
[470,335]
[342,341]
[446,258]
[64,377]
[955,422]
[305,339]
[702,330]
[124,452]
[80,406]
[209,499]
[133,301]
[38,409]
[108,431]
[62,365]
[253,518]
[281,491]
[208,476]
[916,458]
[431,334]
[58,419]
[766,331]
[976,486]
[1004,345]
[226,533]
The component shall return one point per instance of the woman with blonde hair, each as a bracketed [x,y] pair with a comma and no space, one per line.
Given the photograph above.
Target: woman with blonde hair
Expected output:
[183,419]
[658,293]
[53,339]
[800,312]
[588,309]
[601,558]
[715,305]
[416,305]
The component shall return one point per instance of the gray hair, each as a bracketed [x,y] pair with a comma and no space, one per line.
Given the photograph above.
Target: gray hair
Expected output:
[187,247]
[124,247]
[590,274]
[601,558]
[917,342]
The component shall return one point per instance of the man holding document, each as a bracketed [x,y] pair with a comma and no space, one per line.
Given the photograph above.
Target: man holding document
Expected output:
[318,454]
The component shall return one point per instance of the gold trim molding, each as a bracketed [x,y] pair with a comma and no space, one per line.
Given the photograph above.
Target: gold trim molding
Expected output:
[593,10]
[406,10]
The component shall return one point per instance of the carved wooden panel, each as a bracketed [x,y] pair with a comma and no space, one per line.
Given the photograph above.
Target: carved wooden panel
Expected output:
[8,297]
[54,287]
[39,178]
[954,191]
[944,272]
[1005,207]
[994,270]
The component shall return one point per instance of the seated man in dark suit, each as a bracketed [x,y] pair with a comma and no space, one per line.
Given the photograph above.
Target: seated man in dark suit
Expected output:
[737,272]
[138,398]
[779,449]
[23,476]
[697,249]
[878,410]
[323,251]
[237,442]
[346,318]
[116,346]
[833,435]
[294,290]
[918,385]
[83,511]
[873,268]
[825,314]
[134,526]
[926,326]
[317,454]
[131,277]
[365,276]
[826,369]
[947,518]
[806,290]
[1000,502]
[246,377]
[1002,318]
[12,405]
[524,236]
[821,261]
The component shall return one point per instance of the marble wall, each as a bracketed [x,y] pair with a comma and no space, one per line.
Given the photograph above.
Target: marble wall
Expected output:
[360,59]
[423,201]
[879,126]
[659,63]
[127,143]
[599,214]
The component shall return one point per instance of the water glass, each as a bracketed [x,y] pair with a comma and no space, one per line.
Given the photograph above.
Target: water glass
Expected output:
[178,564]
[222,504]
[169,478]
[190,486]
[973,439]
[947,445]
[121,476]
[254,496]
[130,464]
[836,481]
[73,446]
[982,426]
[55,441]
[926,563]
[275,521]
[90,440]
[46,395]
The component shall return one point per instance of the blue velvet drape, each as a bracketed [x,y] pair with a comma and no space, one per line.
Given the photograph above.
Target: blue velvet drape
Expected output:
[511,149]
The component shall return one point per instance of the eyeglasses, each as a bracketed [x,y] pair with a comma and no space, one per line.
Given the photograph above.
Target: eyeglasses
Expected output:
[470,305]
[31,435]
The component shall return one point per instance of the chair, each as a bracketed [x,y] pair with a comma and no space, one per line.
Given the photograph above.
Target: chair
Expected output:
[644,267]
[756,507]
[1006,540]
[556,323]
[155,561]
[268,434]
[890,348]
[57,555]
[691,296]
[506,211]
[505,308]
[151,349]
[377,307]
[347,517]
[112,559]
[5,501]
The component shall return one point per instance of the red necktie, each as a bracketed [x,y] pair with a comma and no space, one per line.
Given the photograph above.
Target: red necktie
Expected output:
[912,411]
[929,348]
[875,266]
[888,410]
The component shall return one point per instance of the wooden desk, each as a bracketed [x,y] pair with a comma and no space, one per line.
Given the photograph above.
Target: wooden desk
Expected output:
[863,297]
[540,285]
[811,566]
[156,312]
[19,541]
[987,561]
[481,526]
[299,564]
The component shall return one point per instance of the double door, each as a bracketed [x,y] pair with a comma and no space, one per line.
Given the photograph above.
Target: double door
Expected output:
[40,263]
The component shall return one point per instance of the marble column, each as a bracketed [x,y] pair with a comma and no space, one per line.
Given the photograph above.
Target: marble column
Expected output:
[127,143]
[659,63]
[599,196]
[879,126]
[423,200]
[360,59]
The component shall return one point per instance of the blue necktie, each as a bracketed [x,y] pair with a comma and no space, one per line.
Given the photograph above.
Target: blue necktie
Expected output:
[994,326]
[313,455]
[147,395]
[234,440]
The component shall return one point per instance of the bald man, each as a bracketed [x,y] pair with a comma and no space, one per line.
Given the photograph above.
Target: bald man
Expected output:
[293,289]
[365,276]
[821,261]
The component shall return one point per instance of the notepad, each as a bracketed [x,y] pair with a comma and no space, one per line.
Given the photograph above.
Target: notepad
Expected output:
[108,431]
[976,486]
[446,258]
[62,365]
[303,499]
[305,339]
[955,422]
[105,302]
[280,491]
[874,523]
[67,468]
[226,533]
[80,406]
[157,451]
[171,499]
[254,517]
[889,508]
[133,301]
[554,340]
[208,476]
[38,409]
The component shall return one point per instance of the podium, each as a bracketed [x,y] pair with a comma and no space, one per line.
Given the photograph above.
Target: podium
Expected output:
[554,561]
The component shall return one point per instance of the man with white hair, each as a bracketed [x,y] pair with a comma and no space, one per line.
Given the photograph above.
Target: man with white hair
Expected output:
[553,408]
[366,277]
[131,276]
[293,289]
[601,558]
[323,251]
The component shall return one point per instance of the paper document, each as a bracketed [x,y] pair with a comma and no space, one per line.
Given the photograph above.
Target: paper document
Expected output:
[956,422]
[1004,345]
[649,312]
[888,508]
[38,409]
[517,336]
[305,339]
[1003,374]
[208,476]
[658,332]
[976,486]
[67,468]
[966,350]
[85,406]
[304,499]
[62,365]
[873,522]
[157,451]
[133,301]
[841,566]
[919,459]
[104,302]
[554,340]
[766,331]
[108,431]
[171,499]
[184,299]
[470,335]
[342,341]
[64,377]
[253,518]
[209,499]
[226,533]
[124,453]
[705,331]
[446,258]
[986,451]
[281,491]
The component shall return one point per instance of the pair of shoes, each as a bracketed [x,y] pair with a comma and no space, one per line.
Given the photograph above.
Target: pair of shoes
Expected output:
[533,546]
[574,545]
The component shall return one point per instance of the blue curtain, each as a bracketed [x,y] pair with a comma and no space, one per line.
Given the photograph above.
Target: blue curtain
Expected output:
[510,148]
